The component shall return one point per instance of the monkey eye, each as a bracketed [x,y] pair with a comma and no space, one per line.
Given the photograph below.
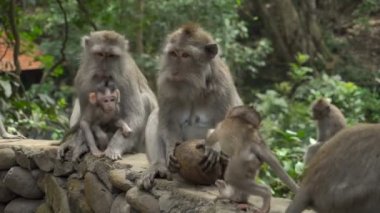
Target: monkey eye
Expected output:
[112,55]
[185,55]
[172,53]
[112,99]
[106,101]
[101,54]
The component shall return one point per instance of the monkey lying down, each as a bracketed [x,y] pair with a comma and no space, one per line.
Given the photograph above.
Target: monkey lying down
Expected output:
[238,136]
[102,111]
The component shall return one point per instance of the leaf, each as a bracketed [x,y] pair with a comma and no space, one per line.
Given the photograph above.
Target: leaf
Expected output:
[6,85]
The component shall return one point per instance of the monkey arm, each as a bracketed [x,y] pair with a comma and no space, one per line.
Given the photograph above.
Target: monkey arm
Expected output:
[263,152]
[212,137]
[84,125]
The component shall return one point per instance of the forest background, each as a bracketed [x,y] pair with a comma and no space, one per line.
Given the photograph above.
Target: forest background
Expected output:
[283,54]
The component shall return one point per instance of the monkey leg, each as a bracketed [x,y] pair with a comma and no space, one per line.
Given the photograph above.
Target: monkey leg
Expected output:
[255,189]
[75,115]
[300,202]
[90,139]
[156,153]
[101,136]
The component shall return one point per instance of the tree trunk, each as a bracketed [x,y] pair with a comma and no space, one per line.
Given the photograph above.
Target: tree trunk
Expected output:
[293,28]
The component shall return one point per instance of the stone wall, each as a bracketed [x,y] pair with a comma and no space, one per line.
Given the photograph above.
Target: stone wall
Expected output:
[32,180]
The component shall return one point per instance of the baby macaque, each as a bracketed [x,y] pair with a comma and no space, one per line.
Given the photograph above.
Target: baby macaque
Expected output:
[329,120]
[238,136]
[102,111]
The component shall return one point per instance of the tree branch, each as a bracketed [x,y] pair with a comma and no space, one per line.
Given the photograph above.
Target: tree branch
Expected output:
[83,8]
[16,46]
[63,46]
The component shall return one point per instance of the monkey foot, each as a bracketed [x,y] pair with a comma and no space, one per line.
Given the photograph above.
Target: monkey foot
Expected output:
[112,154]
[9,136]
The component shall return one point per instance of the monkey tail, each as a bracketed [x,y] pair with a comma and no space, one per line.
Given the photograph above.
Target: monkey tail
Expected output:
[69,132]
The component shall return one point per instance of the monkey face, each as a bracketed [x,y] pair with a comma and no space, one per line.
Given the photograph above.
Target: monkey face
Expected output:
[320,112]
[187,55]
[108,103]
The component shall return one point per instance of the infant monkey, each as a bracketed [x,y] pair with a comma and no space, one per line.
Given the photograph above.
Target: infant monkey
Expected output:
[103,111]
[239,137]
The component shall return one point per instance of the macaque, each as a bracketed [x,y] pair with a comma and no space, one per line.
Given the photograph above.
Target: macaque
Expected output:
[4,134]
[344,175]
[195,90]
[239,137]
[105,56]
[329,120]
[103,111]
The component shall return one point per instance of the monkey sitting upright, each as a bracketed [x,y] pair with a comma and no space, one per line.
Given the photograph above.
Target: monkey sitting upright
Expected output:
[329,120]
[238,136]
[103,110]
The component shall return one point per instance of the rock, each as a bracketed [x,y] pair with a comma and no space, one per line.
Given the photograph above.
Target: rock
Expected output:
[97,195]
[21,182]
[45,159]
[75,193]
[44,208]
[118,178]
[142,201]
[22,205]
[102,168]
[24,158]
[56,195]
[188,157]
[63,168]
[120,205]
[6,195]
[7,158]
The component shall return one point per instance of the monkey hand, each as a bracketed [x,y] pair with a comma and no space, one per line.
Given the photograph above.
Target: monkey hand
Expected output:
[210,159]
[173,164]
[112,154]
[126,130]
[146,182]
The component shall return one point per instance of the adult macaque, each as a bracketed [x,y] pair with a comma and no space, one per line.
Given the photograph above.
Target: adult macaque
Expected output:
[329,120]
[103,110]
[238,136]
[195,90]
[344,175]
[105,56]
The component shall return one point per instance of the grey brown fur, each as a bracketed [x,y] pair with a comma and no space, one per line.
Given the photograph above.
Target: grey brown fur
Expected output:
[103,110]
[329,119]
[105,55]
[344,175]
[239,137]
[195,90]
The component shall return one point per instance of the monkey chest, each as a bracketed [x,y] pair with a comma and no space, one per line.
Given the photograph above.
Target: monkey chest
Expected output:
[195,122]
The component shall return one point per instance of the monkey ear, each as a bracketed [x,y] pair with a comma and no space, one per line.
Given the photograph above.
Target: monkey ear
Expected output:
[211,50]
[85,41]
[253,117]
[92,98]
